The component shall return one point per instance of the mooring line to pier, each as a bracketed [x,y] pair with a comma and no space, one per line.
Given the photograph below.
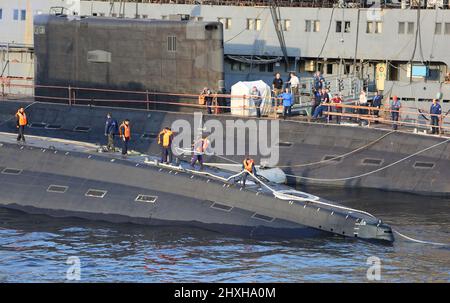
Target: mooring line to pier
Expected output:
[25,108]
[419,241]
[371,172]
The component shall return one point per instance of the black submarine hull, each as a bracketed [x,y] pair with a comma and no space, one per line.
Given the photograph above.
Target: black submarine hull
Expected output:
[63,183]
[300,143]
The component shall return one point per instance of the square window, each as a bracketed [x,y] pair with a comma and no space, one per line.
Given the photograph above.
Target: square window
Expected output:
[378,27]
[410,28]
[307,25]
[369,27]
[235,66]
[447,28]
[250,24]
[316,26]
[338,26]
[347,27]
[258,24]
[287,25]
[438,28]
[262,68]
[401,27]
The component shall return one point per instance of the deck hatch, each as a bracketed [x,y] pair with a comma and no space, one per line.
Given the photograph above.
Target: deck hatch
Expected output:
[146,198]
[83,129]
[262,217]
[370,161]
[223,207]
[38,125]
[284,144]
[96,193]
[60,189]
[12,171]
[332,158]
[426,165]
[53,126]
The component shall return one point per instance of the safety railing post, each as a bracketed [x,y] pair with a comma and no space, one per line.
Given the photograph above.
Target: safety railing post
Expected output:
[70,95]
[147,99]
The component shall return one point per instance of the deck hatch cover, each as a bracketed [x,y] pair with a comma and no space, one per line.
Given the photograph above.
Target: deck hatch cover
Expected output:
[370,161]
[426,165]
[53,126]
[284,144]
[38,125]
[332,158]
[60,189]
[223,207]
[262,217]
[12,171]
[146,198]
[96,193]
[83,129]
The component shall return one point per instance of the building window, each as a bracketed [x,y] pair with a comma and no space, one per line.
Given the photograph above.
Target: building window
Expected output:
[347,27]
[23,14]
[144,16]
[199,18]
[438,28]
[410,28]
[172,44]
[16,14]
[447,28]
[378,27]
[338,26]
[262,68]
[307,25]
[401,27]
[225,21]
[329,69]
[270,67]
[316,27]
[369,27]
[250,24]
[164,17]
[258,24]
[114,15]
[287,25]
[1,14]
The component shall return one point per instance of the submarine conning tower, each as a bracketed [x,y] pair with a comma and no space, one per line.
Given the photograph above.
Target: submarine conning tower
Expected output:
[164,56]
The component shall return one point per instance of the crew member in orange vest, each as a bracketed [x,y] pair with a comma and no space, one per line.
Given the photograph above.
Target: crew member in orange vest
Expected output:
[249,166]
[125,135]
[21,118]
[200,146]
[165,139]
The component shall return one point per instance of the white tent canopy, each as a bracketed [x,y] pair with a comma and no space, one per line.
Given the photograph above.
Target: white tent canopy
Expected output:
[244,88]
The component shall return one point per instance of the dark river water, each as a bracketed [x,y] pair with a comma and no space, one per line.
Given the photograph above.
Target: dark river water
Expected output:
[42,249]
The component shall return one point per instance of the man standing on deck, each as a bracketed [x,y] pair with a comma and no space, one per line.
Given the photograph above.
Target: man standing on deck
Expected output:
[248,165]
[125,135]
[435,114]
[165,139]
[319,81]
[256,99]
[395,111]
[277,87]
[111,129]
[287,102]
[295,84]
[199,148]
[22,121]
[376,103]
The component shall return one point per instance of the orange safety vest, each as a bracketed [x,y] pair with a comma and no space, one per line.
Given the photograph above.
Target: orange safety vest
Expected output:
[22,118]
[248,165]
[201,99]
[126,130]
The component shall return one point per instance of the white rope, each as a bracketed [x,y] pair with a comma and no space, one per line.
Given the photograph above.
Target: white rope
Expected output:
[374,171]
[419,241]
